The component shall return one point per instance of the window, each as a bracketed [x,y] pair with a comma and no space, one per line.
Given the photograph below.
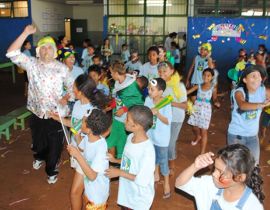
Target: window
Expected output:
[231,7]
[20,8]
[5,9]
[14,9]
[143,23]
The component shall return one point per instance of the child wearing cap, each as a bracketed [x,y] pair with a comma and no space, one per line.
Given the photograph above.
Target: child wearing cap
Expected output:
[200,62]
[67,56]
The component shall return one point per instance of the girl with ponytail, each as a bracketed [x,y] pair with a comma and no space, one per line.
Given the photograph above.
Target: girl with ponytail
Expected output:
[248,100]
[235,183]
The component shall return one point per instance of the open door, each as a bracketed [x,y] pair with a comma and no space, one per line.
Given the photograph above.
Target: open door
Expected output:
[76,30]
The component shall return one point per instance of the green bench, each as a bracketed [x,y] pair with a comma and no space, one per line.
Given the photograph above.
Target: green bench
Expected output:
[19,115]
[5,123]
[9,64]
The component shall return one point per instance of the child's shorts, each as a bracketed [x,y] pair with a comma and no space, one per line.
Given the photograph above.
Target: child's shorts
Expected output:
[91,206]
[162,159]
[265,119]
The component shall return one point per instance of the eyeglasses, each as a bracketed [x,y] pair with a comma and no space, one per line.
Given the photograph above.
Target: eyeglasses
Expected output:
[153,82]
[163,64]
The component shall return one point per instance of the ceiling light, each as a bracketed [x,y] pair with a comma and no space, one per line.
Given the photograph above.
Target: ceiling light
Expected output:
[80,2]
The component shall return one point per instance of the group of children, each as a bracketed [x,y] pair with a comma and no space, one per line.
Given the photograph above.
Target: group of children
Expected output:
[136,120]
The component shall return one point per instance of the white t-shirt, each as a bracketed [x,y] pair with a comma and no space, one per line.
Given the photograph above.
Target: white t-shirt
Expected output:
[149,71]
[76,71]
[78,112]
[215,78]
[133,66]
[137,159]
[160,133]
[95,153]
[204,191]
[178,114]
[84,53]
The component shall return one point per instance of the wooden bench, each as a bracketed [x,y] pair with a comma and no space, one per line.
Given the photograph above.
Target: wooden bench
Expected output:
[19,115]
[9,64]
[5,123]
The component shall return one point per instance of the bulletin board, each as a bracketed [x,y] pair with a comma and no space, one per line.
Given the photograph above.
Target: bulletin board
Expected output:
[52,20]
[227,36]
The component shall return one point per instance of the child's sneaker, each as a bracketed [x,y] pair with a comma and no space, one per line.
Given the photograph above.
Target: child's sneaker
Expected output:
[37,164]
[52,179]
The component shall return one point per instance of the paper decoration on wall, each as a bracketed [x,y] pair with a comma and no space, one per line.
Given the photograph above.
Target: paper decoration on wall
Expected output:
[227,30]
[200,42]
[214,38]
[211,26]
[223,41]
[241,27]
[228,39]
[196,36]
[264,37]
[253,24]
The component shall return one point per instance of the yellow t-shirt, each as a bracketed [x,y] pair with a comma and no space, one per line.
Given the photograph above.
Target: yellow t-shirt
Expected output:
[267,109]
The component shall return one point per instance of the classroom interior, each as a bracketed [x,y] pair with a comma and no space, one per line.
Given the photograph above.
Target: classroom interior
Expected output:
[228,25]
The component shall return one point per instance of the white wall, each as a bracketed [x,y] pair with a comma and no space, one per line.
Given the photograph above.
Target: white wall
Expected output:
[93,14]
[49,18]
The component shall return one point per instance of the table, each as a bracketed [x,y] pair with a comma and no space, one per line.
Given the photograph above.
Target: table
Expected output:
[9,64]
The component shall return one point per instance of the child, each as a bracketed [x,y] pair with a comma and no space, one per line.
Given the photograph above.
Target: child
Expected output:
[200,62]
[127,94]
[143,84]
[95,73]
[26,50]
[235,182]
[88,60]
[176,55]
[162,54]
[248,100]
[160,132]
[97,60]
[200,118]
[149,69]
[125,54]
[86,43]
[134,63]
[136,184]
[106,51]
[67,56]
[176,89]
[88,98]
[265,122]
[93,162]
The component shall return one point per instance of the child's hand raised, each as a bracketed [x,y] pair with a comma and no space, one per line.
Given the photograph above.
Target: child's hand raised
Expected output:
[73,151]
[203,160]
[112,172]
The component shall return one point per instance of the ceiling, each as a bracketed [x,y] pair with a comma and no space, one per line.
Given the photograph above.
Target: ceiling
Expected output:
[79,1]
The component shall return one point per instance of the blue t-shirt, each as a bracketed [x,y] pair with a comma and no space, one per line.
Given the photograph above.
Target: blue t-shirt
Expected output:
[246,123]
[104,89]
[160,133]
[200,65]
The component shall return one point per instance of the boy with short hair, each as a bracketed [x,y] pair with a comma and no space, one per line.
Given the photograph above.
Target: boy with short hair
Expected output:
[93,162]
[160,132]
[88,59]
[136,183]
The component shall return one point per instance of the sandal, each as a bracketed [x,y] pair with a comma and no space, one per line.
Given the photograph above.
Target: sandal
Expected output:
[194,143]
[166,195]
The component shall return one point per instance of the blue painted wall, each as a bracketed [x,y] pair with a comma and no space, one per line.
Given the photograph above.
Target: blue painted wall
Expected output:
[225,49]
[10,29]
